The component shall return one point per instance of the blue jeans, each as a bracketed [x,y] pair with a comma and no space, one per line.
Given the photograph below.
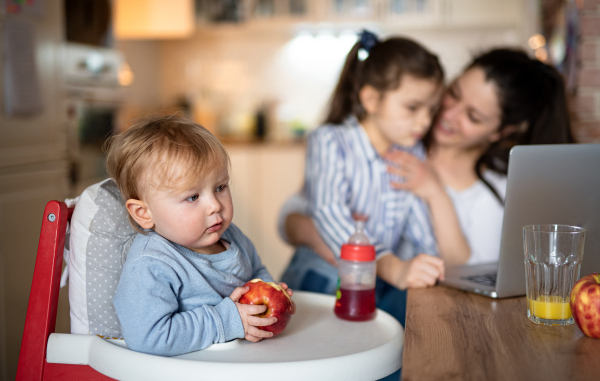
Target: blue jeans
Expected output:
[308,272]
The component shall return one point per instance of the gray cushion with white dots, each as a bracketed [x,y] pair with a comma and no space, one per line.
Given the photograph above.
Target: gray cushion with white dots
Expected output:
[99,241]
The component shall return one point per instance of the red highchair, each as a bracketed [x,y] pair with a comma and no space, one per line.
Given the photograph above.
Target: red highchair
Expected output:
[43,302]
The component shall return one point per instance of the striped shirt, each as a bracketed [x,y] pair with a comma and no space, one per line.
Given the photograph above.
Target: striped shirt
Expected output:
[345,175]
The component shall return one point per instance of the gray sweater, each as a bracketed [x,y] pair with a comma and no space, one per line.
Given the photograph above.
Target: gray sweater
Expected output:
[171,300]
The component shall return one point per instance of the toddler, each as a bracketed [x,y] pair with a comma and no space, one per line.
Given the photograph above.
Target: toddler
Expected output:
[182,279]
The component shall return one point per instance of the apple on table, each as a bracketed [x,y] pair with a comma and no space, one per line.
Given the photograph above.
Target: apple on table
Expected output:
[585,304]
[275,297]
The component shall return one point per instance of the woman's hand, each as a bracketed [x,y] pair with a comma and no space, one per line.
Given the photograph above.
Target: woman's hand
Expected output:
[421,271]
[419,177]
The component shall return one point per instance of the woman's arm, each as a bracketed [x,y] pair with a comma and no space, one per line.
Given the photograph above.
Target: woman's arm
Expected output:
[301,231]
[422,181]
[421,271]
[297,229]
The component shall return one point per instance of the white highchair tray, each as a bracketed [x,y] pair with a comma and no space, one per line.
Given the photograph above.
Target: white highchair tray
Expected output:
[316,345]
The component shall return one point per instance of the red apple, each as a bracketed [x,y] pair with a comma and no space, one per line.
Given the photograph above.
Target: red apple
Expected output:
[585,305]
[277,300]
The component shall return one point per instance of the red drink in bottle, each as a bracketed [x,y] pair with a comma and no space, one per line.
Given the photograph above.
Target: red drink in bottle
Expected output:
[355,304]
[355,299]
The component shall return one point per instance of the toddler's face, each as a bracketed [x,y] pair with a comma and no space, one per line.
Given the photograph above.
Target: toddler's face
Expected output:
[194,216]
[403,116]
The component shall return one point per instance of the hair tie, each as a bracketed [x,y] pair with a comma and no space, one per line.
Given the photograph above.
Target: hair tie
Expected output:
[367,41]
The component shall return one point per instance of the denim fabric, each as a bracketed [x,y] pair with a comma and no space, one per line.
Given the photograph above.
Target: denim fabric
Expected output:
[396,376]
[391,300]
[308,272]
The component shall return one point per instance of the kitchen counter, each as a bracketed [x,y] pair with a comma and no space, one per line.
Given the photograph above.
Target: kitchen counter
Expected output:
[455,335]
[229,141]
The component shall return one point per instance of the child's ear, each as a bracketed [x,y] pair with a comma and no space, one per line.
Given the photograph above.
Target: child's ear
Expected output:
[139,211]
[369,98]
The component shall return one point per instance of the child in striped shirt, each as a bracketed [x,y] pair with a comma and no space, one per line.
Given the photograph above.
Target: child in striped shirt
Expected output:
[382,103]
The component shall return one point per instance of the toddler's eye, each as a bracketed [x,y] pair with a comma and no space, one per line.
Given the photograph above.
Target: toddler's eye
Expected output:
[221,188]
[192,198]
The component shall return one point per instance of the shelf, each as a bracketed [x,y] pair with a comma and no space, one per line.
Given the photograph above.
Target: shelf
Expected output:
[391,15]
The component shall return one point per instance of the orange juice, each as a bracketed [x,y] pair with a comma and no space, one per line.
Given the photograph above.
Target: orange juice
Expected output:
[550,307]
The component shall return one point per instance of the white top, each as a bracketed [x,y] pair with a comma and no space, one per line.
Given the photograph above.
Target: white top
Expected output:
[479,214]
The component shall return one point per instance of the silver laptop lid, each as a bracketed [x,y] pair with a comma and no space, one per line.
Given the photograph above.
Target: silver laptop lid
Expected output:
[549,184]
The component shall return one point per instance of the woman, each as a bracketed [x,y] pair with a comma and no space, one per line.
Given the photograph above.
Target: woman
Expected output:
[503,98]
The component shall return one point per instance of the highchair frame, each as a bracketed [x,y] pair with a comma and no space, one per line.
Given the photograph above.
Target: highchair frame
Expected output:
[43,302]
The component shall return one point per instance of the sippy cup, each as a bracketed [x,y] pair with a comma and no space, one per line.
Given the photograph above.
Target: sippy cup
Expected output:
[355,297]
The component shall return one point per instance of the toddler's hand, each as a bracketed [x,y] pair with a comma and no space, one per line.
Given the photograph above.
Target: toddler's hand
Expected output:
[421,271]
[290,293]
[249,321]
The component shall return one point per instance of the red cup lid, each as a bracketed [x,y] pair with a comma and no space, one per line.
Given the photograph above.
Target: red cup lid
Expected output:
[358,253]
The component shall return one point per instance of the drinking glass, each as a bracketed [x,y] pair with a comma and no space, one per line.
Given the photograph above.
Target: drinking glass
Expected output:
[553,255]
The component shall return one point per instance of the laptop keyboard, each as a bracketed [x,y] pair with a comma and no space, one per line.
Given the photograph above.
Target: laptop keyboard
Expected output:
[484,279]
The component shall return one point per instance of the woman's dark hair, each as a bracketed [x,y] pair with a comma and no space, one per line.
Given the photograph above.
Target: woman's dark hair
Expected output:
[383,69]
[533,104]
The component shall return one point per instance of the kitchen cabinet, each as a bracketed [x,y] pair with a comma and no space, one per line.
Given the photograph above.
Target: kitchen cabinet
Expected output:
[256,11]
[263,177]
[393,15]
[33,171]
[474,13]
[24,192]
[36,138]
[153,19]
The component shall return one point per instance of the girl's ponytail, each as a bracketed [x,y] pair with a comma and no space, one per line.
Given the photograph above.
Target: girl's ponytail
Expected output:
[344,100]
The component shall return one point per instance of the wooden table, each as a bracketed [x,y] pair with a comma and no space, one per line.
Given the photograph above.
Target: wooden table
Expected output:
[455,335]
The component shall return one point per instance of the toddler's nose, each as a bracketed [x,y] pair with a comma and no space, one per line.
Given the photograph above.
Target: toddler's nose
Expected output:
[214,206]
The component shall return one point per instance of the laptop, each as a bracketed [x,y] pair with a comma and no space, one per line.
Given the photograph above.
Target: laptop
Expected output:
[547,184]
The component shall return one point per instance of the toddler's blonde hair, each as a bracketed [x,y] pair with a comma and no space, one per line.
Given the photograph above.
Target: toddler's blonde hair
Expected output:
[170,150]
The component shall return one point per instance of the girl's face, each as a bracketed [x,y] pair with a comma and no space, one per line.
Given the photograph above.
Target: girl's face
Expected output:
[470,115]
[401,116]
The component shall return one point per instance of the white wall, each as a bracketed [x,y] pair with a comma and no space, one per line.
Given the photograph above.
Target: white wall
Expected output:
[238,68]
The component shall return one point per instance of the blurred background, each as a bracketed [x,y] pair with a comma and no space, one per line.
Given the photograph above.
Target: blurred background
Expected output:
[257,73]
